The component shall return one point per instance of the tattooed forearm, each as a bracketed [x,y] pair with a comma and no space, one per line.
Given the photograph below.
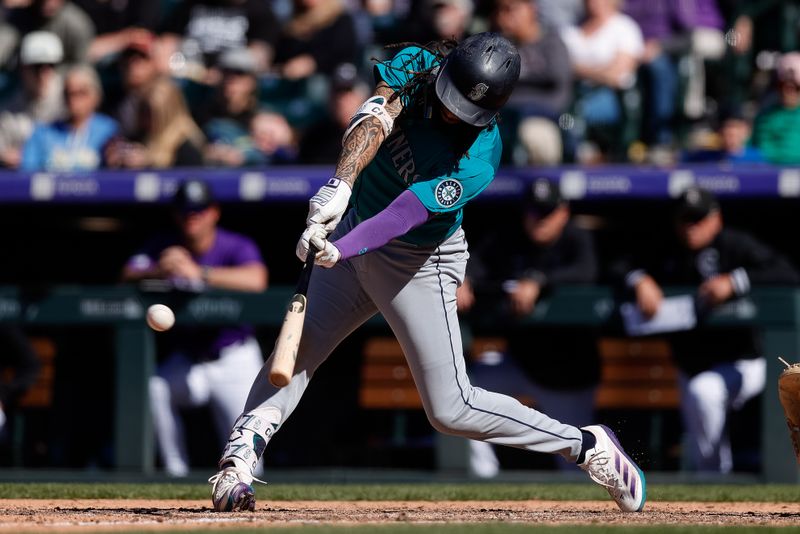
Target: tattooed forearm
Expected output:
[364,141]
[359,148]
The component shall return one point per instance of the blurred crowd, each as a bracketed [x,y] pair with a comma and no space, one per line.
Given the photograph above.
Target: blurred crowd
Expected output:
[88,84]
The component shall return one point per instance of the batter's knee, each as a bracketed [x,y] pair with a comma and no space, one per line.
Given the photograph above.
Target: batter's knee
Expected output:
[451,420]
[442,423]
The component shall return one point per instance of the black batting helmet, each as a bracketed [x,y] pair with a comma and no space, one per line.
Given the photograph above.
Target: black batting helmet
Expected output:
[477,77]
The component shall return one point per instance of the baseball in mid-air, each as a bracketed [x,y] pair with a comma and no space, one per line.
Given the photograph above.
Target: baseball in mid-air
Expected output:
[160,317]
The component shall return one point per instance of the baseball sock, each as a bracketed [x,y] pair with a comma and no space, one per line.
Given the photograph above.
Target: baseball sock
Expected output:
[249,437]
[589,441]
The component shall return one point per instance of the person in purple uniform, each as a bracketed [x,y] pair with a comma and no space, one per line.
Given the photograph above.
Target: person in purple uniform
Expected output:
[213,366]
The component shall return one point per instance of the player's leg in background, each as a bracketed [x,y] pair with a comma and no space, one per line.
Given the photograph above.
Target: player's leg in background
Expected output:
[704,407]
[177,383]
[706,401]
[415,289]
[754,377]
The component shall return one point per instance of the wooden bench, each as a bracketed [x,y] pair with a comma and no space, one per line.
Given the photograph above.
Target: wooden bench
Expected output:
[636,373]
[386,381]
[38,397]
[40,394]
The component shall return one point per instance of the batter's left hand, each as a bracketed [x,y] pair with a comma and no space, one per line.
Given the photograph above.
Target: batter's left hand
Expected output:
[328,254]
[329,204]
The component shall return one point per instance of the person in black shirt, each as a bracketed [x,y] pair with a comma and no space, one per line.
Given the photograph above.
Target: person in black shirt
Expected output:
[210,27]
[321,143]
[166,137]
[558,367]
[318,37]
[120,23]
[720,369]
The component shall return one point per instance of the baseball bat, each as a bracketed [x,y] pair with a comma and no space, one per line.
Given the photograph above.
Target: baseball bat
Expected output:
[284,354]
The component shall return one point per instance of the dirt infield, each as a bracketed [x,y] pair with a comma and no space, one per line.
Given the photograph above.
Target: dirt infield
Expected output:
[87,516]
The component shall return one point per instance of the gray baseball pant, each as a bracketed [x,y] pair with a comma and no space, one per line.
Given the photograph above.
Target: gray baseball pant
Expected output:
[415,290]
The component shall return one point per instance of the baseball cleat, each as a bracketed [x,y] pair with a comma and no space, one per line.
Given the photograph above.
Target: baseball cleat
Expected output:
[232,490]
[608,465]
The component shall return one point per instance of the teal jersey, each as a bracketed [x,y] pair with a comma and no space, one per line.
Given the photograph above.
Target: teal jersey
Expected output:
[444,166]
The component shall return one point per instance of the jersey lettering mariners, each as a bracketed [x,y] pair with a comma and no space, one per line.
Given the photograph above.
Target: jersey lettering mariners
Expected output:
[421,155]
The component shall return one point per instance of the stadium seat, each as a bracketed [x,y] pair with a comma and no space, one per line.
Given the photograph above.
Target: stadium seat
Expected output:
[638,378]
[386,381]
[38,398]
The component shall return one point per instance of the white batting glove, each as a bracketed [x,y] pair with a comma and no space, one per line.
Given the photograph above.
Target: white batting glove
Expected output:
[329,204]
[302,244]
[328,254]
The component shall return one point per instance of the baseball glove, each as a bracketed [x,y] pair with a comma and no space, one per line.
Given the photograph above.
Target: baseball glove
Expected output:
[789,393]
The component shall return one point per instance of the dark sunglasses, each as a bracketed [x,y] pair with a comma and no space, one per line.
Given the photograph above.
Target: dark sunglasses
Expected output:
[41,67]
[83,91]
[235,72]
[691,218]
[187,212]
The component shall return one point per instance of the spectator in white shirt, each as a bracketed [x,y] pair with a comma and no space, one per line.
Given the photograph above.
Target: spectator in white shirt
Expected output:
[605,50]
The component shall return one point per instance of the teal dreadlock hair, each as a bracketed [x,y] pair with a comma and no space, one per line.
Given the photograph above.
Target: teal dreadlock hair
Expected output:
[414,90]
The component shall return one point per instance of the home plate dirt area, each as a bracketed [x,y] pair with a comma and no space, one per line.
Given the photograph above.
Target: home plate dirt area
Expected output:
[68,515]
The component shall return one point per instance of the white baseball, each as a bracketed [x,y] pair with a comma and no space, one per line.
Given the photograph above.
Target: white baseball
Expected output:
[160,317]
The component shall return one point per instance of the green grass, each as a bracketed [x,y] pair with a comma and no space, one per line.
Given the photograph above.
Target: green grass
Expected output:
[496,528]
[403,492]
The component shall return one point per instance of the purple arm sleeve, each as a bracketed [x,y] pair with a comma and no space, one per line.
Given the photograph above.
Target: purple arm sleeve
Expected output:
[404,213]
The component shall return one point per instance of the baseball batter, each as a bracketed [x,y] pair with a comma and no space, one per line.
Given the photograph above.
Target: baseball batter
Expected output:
[415,153]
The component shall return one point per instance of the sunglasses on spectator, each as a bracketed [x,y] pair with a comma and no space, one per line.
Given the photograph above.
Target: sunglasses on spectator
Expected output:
[541,211]
[235,72]
[691,217]
[39,67]
[82,91]
[185,212]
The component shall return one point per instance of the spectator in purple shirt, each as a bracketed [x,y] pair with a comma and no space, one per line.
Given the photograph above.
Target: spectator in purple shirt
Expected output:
[213,366]
[672,28]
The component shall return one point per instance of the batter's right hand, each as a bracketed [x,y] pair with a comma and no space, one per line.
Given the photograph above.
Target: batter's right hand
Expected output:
[301,250]
[329,204]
